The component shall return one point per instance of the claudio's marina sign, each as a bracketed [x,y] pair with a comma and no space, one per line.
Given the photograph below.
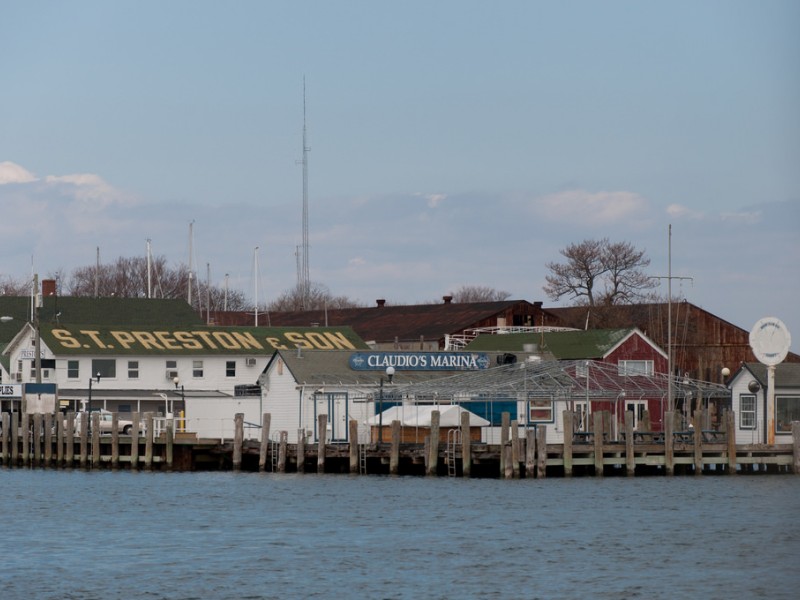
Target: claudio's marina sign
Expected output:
[419,361]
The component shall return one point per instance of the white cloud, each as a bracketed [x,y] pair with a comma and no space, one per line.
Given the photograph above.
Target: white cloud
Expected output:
[590,208]
[745,218]
[678,211]
[12,173]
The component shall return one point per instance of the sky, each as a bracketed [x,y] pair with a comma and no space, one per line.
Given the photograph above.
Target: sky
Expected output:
[451,143]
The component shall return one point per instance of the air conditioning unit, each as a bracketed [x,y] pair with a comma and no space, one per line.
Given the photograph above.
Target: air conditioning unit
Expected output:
[250,362]
[171,375]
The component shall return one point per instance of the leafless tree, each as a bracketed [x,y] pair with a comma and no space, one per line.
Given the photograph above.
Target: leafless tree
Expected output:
[319,297]
[14,287]
[598,272]
[479,293]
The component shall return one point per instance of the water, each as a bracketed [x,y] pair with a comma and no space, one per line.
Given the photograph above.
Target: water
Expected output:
[77,535]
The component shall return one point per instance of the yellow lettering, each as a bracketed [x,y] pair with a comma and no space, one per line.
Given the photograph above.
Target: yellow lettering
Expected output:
[299,340]
[94,336]
[206,337]
[168,341]
[226,340]
[188,341]
[147,340]
[339,341]
[247,340]
[319,340]
[66,339]
[124,338]
[276,343]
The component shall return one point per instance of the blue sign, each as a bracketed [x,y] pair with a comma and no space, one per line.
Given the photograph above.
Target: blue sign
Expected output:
[419,361]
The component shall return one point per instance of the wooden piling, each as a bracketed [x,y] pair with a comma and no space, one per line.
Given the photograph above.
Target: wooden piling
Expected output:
[300,459]
[282,452]
[541,451]
[266,419]
[69,440]
[37,438]
[433,455]
[506,453]
[630,458]
[169,450]
[114,440]
[4,452]
[796,447]
[135,430]
[95,439]
[567,452]
[47,436]
[697,438]
[84,445]
[669,452]
[730,425]
[355,459]
[394,453]
[238,440]
[322,432]
[505,423]
[598,443]
[148,440]
[530,452]
[515,455]
[58,423]
[466,446]
[25,425]
[14,438]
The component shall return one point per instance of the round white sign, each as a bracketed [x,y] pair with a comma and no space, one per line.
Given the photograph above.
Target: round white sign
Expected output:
[770,341]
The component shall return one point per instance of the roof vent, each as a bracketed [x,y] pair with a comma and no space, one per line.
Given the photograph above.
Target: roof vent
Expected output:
[447,299]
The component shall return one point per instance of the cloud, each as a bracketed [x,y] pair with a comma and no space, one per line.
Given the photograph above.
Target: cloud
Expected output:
[678,211]
[12,173]
[744,217]
[590,208]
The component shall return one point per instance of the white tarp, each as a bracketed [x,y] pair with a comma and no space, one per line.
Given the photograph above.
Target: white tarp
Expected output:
[419,415]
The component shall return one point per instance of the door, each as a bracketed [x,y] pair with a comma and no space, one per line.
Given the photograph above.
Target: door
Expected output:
[334,404]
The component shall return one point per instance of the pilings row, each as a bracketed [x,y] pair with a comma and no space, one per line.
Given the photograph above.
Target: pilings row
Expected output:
[51,439]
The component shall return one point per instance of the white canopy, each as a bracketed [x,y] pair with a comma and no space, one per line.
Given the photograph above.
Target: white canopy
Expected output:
[419,415]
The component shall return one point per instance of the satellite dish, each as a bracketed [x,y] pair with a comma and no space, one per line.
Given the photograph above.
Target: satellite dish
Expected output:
[770,341]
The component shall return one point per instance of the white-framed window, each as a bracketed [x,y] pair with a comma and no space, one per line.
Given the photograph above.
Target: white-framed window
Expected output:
[637,408]
[747,411]
[197,368]
[133,369]
[105,367]
[230,368]
[633,368]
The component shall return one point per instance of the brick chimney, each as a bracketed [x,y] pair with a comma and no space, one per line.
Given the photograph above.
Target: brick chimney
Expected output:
[381,302]
[48,287]
[447,299]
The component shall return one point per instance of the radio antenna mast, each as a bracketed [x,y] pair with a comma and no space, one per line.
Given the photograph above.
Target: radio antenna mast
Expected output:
[304,274]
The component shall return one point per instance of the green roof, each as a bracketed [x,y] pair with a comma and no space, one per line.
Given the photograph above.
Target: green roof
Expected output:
[563,345]
[193,340]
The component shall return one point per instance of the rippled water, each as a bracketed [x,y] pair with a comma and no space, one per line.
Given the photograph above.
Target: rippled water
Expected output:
[75,534]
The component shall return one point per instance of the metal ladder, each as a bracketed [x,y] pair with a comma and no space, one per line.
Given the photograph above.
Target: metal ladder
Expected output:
[362,456]
[274,448]
[453,449]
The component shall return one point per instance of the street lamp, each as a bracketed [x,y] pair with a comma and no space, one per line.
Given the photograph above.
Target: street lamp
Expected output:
[89,401]
[389,375]
[177,382]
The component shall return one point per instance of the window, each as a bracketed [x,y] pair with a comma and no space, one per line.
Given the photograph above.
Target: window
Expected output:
[633,368]
[747,411]
[197,368]
[106,367]
[230,368]
[172,365]
[541,411]
[133,369]
[73,369]
[787,409]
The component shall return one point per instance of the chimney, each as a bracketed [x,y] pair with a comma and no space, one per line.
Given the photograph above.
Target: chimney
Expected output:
[381,302]
[447,299]
[48,287]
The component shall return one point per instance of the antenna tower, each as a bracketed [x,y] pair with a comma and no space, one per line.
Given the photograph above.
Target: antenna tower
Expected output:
[304,273]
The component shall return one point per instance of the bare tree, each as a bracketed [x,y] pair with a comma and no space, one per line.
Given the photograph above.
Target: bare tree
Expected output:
[319,297]
[598,272]
[14,287]
[479,293]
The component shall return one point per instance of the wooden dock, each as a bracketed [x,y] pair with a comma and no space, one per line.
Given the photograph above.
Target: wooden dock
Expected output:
[54,441]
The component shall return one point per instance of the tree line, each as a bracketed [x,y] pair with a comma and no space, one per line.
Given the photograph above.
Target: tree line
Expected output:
[593,273]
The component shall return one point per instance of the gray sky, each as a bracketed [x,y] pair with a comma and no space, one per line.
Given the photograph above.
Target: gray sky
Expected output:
[451,143]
